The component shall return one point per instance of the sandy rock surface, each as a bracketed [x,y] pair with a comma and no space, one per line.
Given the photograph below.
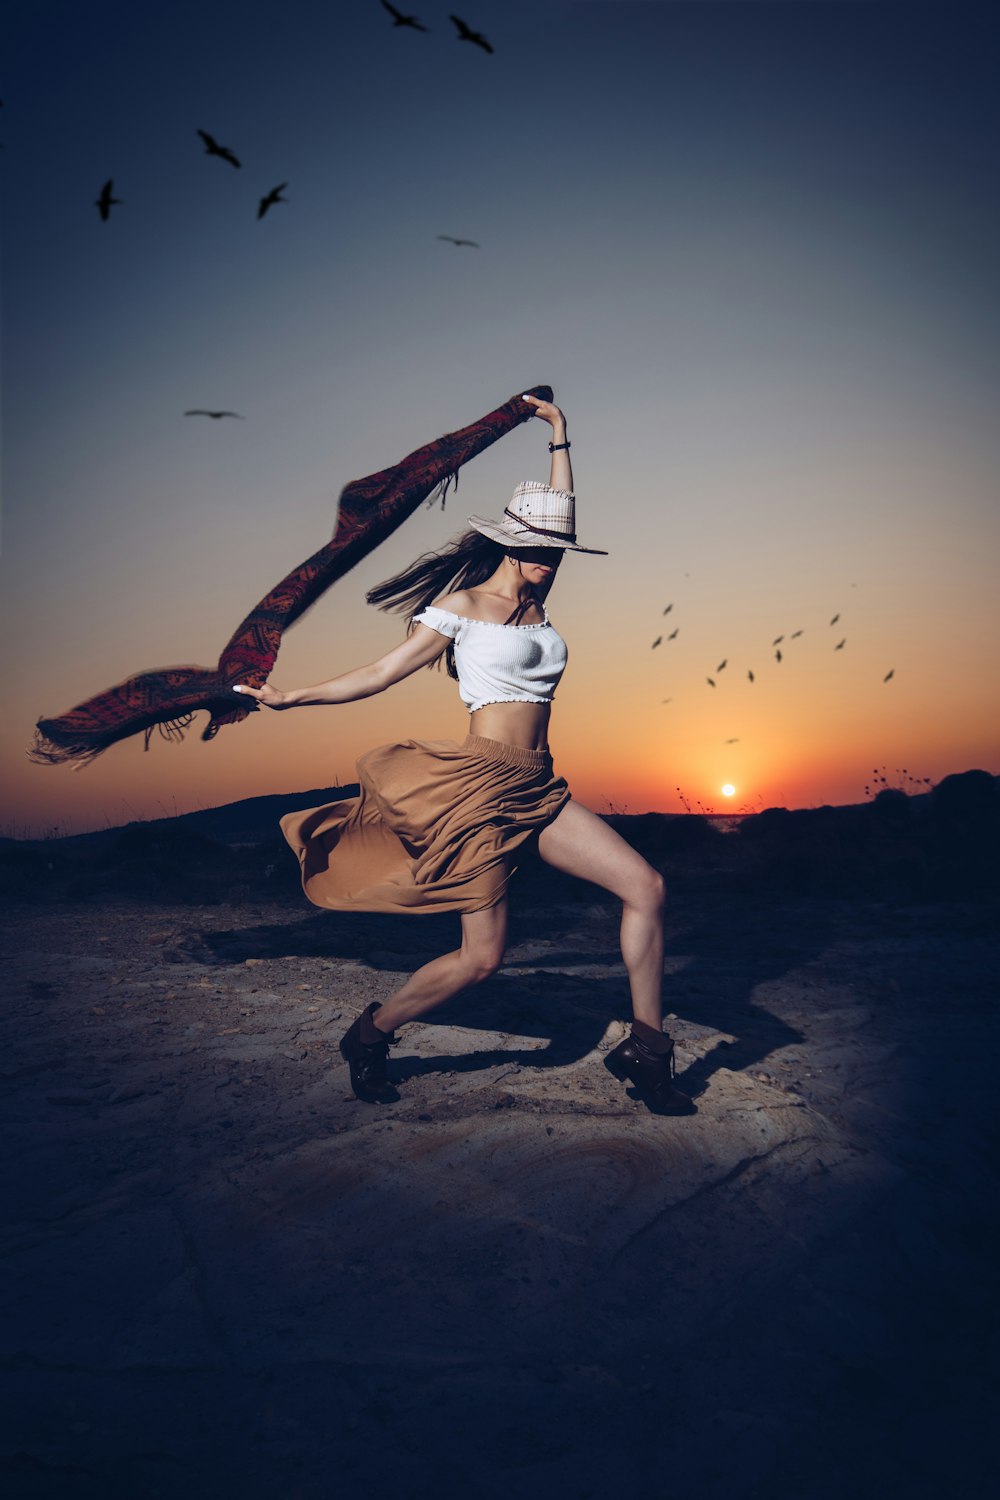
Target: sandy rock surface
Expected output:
[228,1277]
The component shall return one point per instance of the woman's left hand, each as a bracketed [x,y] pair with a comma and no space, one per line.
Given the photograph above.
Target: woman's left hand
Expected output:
[547,410]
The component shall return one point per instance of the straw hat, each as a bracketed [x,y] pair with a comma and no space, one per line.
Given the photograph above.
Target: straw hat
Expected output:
[537,516]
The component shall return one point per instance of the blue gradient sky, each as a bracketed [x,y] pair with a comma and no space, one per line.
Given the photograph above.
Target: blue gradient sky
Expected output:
[753,247]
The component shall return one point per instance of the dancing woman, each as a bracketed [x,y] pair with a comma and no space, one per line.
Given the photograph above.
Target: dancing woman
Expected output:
[436,824]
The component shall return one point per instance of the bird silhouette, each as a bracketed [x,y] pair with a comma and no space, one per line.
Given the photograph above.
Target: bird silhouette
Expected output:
[653,647]
[722,664]
[668,609]
[841,644]
[730,742]
[777,640]
[212,148]
[199,411]
[889,675]
[710,682]
[452,241]
[400,20]
[674,634]
[104,202]
[465,35]
[777,654]
[796,634]
[274,196]
[835,619]
[750,677]
[666,700]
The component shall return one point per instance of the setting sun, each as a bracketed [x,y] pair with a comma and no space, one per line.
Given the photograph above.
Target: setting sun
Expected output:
[728,790]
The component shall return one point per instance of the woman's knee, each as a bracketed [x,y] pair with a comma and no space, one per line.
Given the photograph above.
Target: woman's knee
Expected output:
[648,890]
[481,963]
[482,956]
[484,940]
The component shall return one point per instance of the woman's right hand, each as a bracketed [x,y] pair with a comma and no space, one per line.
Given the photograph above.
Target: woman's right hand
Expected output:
[269,696]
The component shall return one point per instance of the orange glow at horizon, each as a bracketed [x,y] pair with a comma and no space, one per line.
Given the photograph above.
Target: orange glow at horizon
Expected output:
[808,731]
[788,448]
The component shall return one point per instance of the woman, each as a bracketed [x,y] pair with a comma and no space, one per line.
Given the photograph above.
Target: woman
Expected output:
[436,824]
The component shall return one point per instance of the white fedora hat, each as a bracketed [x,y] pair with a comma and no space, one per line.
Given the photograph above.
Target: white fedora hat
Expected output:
[537,516]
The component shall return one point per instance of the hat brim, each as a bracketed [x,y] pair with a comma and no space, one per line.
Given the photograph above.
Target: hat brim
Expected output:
[508,537]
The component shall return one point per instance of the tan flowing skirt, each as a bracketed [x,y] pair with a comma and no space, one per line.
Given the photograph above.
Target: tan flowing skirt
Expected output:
[434,827]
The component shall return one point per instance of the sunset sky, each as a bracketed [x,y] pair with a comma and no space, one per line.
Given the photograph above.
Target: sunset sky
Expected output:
[752,247]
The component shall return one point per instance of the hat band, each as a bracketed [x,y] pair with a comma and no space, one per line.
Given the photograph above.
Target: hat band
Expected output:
[563,536]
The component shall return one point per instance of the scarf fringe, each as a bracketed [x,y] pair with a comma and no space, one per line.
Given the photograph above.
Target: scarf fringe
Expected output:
[169,729]
[45,752]
[440,490]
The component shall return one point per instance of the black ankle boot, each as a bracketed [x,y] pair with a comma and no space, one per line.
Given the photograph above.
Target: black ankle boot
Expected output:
[652,1073]
[369,1062]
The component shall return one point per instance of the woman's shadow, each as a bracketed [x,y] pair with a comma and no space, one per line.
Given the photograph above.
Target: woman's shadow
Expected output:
[569,1013]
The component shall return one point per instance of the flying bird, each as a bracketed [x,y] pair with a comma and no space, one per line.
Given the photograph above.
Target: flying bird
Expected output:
[452,241]
[199,411]
[777,640]
[835,619]
[274,196]
[666,700]
[840,644]
[796,634]
[777,654]
[104,202]
[212,148]
[674,633]
[400,20]
[710,682]
[465,35]
[653,647]
[889,675]
[668,609]
[750,677]
[722,664]
[730,742]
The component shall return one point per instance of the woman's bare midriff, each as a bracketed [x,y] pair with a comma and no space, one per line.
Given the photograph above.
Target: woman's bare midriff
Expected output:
[525,725]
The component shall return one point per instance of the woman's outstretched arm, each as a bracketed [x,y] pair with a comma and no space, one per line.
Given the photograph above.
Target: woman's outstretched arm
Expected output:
[418,650]
[561,470]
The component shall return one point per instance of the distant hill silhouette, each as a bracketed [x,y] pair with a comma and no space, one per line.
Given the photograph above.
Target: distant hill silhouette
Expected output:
[250,821]
[941,844]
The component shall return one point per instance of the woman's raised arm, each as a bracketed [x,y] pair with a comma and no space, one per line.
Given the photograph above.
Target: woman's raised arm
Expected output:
[418,650]
[560,470]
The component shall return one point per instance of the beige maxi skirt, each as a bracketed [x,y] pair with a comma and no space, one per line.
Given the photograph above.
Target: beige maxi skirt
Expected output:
[434,828]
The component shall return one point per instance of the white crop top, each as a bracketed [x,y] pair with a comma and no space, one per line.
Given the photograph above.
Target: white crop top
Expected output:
[501,663]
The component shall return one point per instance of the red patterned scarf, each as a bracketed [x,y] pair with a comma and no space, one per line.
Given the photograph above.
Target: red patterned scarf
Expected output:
[370,510]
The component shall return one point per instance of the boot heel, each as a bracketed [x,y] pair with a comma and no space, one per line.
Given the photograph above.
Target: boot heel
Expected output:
[614,1065]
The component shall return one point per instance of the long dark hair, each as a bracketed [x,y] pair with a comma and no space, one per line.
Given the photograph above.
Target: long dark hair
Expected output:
[468,560]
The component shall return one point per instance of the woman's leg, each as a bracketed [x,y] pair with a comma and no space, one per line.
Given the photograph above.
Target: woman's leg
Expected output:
[580,843]
[484,934]
[365,1045]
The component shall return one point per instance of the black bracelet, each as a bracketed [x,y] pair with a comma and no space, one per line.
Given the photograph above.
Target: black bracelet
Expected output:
[555,447]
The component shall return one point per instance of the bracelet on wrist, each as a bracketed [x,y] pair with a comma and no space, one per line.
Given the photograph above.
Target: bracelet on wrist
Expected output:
[555,447]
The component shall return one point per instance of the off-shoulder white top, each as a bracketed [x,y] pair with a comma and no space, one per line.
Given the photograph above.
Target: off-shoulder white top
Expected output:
[501,663]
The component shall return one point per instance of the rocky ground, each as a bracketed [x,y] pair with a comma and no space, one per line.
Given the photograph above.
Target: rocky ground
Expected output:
[227,1277]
